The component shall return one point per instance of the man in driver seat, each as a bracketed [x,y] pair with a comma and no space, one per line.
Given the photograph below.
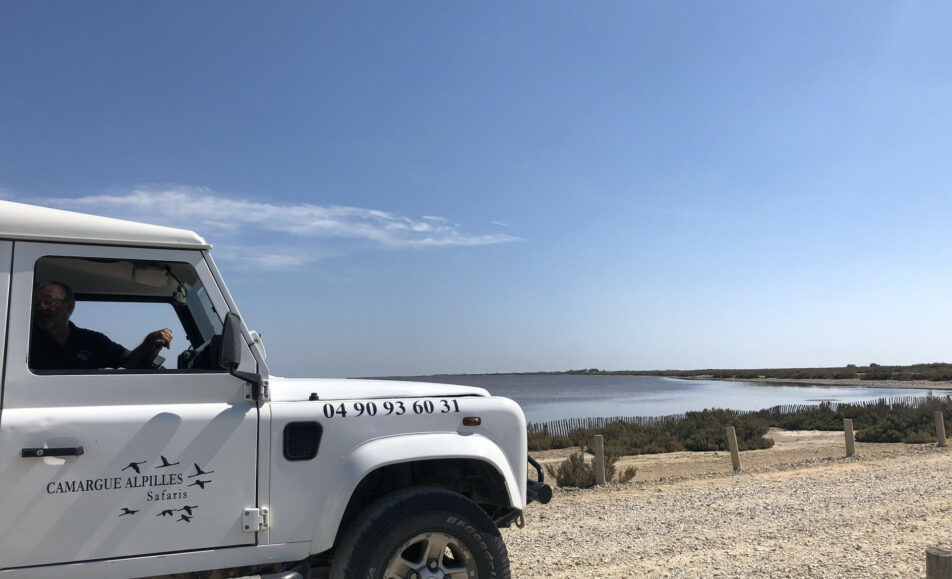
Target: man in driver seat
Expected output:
[58,344]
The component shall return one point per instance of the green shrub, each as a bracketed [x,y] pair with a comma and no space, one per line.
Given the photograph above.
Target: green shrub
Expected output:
[918,437]
[627,475]
[542,440]
[697,431]
[576,472]
[573,472]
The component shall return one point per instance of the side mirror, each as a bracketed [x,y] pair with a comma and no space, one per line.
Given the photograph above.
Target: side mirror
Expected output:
[231,343]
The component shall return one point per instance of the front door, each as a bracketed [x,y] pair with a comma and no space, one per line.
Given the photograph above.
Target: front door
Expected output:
[105,463]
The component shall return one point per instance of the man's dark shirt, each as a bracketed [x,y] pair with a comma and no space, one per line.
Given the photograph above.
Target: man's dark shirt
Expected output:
[84,350]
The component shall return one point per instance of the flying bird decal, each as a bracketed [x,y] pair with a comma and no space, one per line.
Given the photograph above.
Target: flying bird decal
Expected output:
[199,471]
[134,466]
[165,462]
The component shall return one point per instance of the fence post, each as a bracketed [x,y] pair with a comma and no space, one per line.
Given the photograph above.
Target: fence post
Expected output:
[938,562]
[939,428]
[599,459]
[732,444]
[848,432]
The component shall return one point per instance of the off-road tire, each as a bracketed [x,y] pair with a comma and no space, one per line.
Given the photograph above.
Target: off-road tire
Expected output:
[371,542]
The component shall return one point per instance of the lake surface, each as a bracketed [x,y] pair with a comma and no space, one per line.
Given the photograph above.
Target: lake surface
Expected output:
[553,397]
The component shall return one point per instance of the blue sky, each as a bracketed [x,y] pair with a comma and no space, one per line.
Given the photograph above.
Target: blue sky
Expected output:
[427,187]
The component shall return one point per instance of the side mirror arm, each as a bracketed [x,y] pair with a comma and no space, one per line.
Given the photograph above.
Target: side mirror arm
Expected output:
[259,389]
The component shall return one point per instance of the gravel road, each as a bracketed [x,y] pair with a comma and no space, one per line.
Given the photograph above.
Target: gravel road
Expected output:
[871,515]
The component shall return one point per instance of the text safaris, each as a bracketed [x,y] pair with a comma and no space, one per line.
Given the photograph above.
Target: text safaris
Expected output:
[165,495]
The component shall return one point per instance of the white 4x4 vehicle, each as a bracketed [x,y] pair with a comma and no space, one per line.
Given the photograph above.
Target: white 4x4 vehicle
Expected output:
[209,463]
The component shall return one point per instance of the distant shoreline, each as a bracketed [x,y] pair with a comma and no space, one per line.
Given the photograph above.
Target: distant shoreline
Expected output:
[849,382]
[845,382]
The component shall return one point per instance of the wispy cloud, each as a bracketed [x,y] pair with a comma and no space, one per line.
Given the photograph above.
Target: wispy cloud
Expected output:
[227,219]
[271,257]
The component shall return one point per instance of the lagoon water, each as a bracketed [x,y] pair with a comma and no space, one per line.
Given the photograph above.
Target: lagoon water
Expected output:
[546,397]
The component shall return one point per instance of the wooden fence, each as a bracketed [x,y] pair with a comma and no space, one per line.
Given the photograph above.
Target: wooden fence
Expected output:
[563,427]
[891,401]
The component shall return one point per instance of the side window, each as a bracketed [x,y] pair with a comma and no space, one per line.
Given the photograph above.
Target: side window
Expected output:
[97,315]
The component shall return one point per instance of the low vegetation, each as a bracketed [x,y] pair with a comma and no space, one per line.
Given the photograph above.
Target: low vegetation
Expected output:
[575,471]
[696,431]
[879,421]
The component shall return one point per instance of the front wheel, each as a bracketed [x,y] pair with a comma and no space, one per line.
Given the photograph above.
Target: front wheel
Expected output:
[421,533]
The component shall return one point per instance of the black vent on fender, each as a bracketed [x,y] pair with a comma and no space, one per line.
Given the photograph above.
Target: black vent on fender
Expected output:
[301,440]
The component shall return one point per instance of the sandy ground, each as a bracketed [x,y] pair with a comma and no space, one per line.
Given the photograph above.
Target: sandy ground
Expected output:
[799,509]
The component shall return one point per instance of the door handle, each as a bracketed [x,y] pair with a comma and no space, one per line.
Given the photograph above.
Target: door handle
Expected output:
[41,452]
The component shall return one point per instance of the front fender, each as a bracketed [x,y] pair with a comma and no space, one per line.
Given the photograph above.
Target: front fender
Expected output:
[380,452]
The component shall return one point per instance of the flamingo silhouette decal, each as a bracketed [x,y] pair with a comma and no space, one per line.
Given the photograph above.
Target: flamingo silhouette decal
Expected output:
[134,466]
[166,463]
[199,471]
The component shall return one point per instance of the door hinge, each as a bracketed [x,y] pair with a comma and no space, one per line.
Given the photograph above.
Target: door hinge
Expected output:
[256,388]
[254,520]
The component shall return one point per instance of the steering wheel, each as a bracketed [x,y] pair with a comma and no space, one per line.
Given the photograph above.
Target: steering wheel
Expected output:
[198,356]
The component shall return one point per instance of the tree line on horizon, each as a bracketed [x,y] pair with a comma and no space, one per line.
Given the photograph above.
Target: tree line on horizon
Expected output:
[934,372]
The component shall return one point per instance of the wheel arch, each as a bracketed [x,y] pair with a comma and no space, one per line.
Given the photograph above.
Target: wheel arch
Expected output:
[471,465]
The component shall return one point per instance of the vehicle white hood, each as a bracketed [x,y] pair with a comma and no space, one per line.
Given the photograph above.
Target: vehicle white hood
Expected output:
[290,389]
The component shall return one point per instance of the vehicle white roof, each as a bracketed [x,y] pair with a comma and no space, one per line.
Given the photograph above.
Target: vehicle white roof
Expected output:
[21,221]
